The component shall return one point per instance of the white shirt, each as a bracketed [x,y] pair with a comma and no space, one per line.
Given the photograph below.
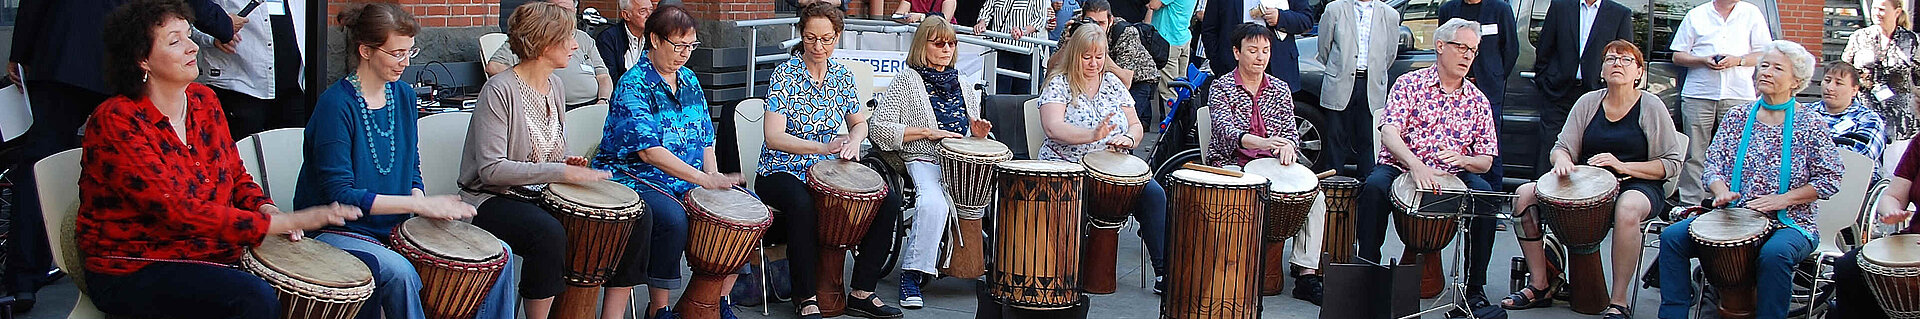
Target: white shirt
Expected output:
[249,70]
[634,47]
[1588,9]
[1364,25]
[1705,33]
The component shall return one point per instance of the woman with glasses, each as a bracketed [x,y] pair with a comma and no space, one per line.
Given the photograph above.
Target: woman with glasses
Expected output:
[362,150]
[516,139]
[808,99]
[659,141]
[1624,130]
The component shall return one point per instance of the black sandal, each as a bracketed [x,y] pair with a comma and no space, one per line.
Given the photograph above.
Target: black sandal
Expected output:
[801,308]
[865,308]
[1520,301]
[1622,313]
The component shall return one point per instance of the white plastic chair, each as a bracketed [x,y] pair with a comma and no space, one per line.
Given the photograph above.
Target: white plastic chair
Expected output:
[863,80]
[1203,121]
[249,157]
[584,127]
[1035,134]
[443,139]
[490,43]
[749,134]
[1840,211]
[281,152]
[58,179]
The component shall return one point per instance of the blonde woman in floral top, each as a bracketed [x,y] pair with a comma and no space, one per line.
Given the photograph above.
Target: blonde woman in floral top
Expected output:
[1886,52]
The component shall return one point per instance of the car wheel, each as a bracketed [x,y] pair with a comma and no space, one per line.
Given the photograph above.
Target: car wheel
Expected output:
[1312,142]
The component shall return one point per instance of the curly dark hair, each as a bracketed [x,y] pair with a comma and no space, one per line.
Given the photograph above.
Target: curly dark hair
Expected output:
[129,39]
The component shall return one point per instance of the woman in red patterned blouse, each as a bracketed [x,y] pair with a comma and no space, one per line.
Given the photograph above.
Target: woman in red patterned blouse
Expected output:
[165,213]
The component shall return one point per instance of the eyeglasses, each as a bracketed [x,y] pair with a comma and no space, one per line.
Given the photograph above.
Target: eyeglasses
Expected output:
[822,40]
[945,44]
[1619,60]
[684,47]
[399,54]
[1463,48]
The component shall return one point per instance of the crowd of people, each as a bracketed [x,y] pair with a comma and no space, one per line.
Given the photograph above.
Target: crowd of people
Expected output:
[165,202]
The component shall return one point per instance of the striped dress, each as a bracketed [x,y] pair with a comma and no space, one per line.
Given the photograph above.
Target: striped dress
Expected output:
[1005,15]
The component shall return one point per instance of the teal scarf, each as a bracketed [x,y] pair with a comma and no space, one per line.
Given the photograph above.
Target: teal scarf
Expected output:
[1786,156]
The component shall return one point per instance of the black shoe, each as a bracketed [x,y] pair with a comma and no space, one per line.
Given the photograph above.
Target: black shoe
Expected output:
[23,302]
[864,308]
[1307,287]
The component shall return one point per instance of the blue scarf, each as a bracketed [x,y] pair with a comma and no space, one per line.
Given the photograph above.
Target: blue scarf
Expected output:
[943,94]
[1786,156]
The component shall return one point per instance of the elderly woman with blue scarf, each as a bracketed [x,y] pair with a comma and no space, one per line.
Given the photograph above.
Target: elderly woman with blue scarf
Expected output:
[1774,156]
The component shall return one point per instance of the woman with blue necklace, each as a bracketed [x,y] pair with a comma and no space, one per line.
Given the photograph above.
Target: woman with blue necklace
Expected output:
[1774,156]
[362,150]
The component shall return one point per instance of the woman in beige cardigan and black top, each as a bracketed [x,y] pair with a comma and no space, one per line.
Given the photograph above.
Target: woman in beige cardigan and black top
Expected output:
[921,107]
[1621,129]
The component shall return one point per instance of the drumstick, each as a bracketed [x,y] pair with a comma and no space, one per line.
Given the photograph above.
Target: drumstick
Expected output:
[1211,169]
[1326,174]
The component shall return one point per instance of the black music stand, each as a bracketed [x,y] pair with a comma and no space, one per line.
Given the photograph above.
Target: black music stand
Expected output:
[1465,205]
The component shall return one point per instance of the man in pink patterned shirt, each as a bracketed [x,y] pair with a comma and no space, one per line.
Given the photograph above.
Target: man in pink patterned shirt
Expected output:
[1436,124]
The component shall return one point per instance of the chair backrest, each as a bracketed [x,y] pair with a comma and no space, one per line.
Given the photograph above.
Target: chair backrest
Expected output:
[1036,135]
[443,138]
[1842,210]
[863,80]
[490,43]
[749,132]
[249,156]
[1203,121]
[57,179]
[584,128]
[1672,185]
[282,151]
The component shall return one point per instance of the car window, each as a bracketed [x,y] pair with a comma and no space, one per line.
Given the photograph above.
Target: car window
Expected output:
[1421,17]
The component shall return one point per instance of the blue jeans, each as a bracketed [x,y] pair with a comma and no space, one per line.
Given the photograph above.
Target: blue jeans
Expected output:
[1151,211]
[669,239]
[397,285]
[1778,255]
[184,290]
[1370,224]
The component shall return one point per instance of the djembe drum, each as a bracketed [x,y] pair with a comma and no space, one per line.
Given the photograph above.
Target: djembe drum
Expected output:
[1036,235]
[1579,209]
[966,172]
[1891,267]
[1728,242]
[1424,233]
[1343,194]
[846,195]
[457,262]
[723,226]
[1289,200]
[598,217]
[312,279]
[1217,224]
[1114,181]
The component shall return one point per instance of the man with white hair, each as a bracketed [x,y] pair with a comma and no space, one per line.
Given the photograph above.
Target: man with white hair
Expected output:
[621,44]
[1435,126]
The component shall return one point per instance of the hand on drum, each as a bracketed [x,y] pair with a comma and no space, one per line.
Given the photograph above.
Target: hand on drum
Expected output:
[581,174]
[1722,199]
[1285,152]
[1603,160]
[1427,178]
[847,149]
[578,161]
[1768,203]
[445,207]
[326,215]
[1122,142]
[1896,218]
[719,181]
[980,128]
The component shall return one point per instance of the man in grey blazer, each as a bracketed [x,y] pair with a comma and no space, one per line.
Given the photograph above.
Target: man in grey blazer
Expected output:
[1358,46]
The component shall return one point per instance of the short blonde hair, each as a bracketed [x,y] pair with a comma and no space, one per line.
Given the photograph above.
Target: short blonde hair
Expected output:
[536,27]
[930,30]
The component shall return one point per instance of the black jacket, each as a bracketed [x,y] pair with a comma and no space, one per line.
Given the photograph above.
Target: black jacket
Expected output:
[1216,30]
[60,40]
[1497,51]
[1559,54]
[613,45]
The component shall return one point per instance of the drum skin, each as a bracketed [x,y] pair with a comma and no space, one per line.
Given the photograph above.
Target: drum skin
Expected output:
[312,279]
[1214,261]
[1728,243]
[1114,181]
[1291,197]
[1036,239]
[457,262]
[1891,267]
[723,227]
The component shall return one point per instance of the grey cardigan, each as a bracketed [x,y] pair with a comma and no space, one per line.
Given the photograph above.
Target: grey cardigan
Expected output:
[1662,139]
[906,104]
[500,143]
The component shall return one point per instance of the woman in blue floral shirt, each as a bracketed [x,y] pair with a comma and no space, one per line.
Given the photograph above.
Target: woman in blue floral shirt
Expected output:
[1774,156]
[659,141]
[808,99]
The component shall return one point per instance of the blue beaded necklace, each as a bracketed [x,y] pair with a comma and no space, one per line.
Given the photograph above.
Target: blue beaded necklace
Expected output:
[369,130]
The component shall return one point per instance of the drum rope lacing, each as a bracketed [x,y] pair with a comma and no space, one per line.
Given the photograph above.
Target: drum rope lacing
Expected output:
[288,284]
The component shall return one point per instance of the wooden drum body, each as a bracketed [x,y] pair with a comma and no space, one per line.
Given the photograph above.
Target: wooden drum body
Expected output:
[846,195]
[1343,193]
[1425,234]
[723,227]
[1214,252]
[966,172]
[1114,182]
[313,280]
[1891,267]
[1036,235]
[598,217]
[1289,200]
[458,263]
[1728,243]
[1579,209]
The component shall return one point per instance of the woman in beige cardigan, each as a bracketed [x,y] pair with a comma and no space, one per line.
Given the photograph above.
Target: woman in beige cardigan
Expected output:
[1626,131]
[924,105]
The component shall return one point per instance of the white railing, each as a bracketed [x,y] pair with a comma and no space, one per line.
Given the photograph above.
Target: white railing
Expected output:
[984,39]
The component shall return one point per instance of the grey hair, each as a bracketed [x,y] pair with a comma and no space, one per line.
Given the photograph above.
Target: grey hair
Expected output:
[1802,61]
[1446,32]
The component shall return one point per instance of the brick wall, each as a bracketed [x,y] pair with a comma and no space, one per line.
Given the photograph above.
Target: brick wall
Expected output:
[1801,21]
[469,13]
[729,10]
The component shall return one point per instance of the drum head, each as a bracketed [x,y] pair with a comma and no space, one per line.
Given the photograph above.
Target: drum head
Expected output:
[1207,178]
[731,205]
[1585,183]
[597,194]
[313,262]
[1038,167]
[1338,181]
[1729,225]
[846,176]
[1286,178]
[1112,163]
[451,239]
[1405,191]
[974,146]
[1893,251]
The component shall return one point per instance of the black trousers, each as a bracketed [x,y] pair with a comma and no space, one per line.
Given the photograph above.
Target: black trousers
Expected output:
[1851,296]
[59,110]
[1013,85]
[162,289]
[1349,134]
[872,259]
[247,114]
[542,244]
[1370,224]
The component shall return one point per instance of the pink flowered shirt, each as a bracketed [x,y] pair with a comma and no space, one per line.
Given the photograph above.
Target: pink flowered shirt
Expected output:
[1432,120]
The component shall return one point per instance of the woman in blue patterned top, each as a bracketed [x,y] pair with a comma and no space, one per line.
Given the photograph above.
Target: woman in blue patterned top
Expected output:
[659,141]
[810,97]
[362,150]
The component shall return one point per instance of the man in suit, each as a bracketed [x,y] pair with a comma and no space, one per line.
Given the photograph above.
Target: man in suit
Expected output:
[1567,63]
[1499,47]
[621,44]
[1216,31]
[1357,46]
[57,49]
